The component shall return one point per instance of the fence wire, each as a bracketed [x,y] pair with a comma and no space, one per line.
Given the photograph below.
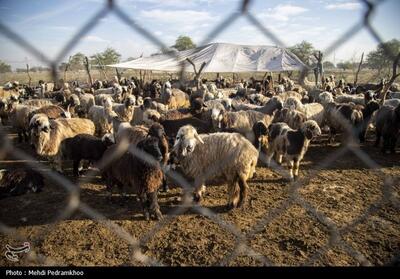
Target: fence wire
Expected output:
[242,247]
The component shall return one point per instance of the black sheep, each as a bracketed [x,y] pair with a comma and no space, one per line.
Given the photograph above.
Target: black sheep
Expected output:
[388,126]
[20,181]
[130,170]
[84,147]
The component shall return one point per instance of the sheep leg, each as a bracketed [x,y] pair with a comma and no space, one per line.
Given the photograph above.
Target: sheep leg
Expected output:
[269,156]
[296,169]
[154,207]
[26,136]
[165,187]
[279,158]
[198,193]
[290,167]
[243,191]
[20,137]
[386,144]
[145,205]
[76,167]
[234,195]
[393,141]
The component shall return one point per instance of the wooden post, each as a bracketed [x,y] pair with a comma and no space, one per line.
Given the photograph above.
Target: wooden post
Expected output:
[118,74]
[319,70]
[29,75]
[87,66]
[359,69]
[66,68]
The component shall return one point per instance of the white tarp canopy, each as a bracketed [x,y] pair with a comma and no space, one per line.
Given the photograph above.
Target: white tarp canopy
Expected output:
[220,58]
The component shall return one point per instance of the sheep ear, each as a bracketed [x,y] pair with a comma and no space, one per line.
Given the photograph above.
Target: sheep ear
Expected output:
[196,135]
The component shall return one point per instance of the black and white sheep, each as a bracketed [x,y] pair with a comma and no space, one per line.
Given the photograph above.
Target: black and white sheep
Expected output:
[291,144]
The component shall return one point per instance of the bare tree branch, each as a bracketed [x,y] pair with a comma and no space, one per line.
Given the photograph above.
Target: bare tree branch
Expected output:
[395,75]
[359,69]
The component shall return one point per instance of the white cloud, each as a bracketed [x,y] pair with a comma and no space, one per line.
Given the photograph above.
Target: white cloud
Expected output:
[61,28]
[95,39]
[185,20]
[351,6]
[283,12]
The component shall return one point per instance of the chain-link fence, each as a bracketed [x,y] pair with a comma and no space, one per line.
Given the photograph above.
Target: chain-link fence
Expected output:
[74,203]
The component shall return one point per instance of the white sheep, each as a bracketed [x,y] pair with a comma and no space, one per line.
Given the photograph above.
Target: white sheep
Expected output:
[220,156]
[102,116]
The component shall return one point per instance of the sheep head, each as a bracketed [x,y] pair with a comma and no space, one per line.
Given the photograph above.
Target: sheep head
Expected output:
[186,141]
[217,117]
[150,145]
[311,129]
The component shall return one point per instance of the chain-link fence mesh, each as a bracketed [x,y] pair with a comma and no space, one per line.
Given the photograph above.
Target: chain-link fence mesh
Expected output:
[242,246]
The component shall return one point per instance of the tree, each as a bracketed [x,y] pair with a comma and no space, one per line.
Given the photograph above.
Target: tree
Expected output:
[109,56]
[347,65]
[328,65]
[304,51]
[183,43]
[379,59]
[4,67]
[77,61]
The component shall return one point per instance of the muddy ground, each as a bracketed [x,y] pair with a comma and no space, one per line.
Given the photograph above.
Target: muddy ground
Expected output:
[274,229]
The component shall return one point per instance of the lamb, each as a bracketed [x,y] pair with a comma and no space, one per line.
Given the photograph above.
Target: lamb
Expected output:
[172,127]
[312,111]
[392,102]
[387,127]
[19,118]
[125,110]
[343,117]
[132,171]
[37,102]
[224,103]
[274,104]
[293,118]
[51,111]
[394,95]
[46,135]
[102,116]
[356,99]
[291,144]
[325,98]
[84,147]
[175,98]
[368,113]
[3,112]
[228,157]
[20,181]
[131,134]
[148,103]
[86,100]
[240,121]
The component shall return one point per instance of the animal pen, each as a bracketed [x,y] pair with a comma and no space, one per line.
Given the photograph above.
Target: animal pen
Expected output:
[343,209]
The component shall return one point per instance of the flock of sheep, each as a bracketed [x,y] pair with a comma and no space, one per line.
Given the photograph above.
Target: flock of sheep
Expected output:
[216,131]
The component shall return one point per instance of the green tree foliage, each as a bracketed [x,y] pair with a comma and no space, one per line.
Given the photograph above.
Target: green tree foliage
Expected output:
[4,67]
[304,51]
[183,43]
[77,61]
[379,59]
[328,65]
[109,56]
[346,65]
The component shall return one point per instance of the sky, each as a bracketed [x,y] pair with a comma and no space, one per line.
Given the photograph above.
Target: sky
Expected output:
[49,24]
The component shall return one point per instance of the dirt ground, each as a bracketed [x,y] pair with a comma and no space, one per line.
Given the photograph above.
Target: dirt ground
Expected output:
[276,229]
